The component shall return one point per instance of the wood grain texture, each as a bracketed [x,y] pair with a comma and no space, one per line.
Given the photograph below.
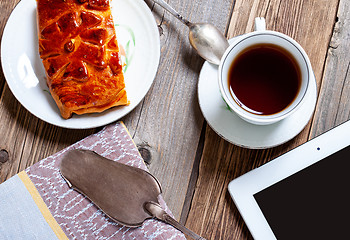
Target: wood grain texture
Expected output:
[169,120]
[335,89]
[311,24]
[6,8]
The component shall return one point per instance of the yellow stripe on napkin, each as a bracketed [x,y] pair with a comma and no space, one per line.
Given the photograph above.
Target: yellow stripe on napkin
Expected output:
[41,205]
[126,129]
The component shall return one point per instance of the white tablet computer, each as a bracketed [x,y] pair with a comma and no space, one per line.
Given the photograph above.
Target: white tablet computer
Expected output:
[303,194]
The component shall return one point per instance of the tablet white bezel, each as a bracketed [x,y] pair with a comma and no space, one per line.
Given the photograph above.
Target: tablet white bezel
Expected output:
[244,187]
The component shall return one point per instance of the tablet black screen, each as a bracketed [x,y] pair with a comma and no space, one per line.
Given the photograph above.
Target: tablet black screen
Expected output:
[313,203]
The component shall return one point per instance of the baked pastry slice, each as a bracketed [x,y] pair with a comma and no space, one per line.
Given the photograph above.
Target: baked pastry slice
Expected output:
[79,51]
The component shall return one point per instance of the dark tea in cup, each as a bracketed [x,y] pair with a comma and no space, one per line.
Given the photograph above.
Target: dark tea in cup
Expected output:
[264,79]
[264,75]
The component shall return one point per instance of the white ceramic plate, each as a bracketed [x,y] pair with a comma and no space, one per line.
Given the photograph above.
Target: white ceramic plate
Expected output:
[25,74]
[239,132]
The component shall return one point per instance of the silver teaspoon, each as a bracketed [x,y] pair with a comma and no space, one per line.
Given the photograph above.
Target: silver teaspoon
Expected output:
[205,38]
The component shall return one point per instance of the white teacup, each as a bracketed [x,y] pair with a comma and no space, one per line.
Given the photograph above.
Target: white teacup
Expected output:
[260,37]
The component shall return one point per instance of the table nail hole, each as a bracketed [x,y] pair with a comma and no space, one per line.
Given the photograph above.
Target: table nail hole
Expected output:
[145,154]
[4,156]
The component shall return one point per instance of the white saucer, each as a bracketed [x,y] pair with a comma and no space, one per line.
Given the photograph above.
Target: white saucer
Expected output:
[239,132]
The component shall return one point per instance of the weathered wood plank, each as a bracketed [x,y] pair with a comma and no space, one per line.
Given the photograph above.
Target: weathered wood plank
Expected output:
[169,120]
[6,8]
[334,99]
[311,24]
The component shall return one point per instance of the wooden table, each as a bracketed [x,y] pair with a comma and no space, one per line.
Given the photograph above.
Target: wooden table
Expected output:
[193,164]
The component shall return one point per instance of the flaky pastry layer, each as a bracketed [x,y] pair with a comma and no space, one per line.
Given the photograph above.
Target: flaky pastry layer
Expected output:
[80,54]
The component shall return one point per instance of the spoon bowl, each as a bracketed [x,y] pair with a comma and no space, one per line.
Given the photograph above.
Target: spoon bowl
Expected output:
[208,41]
[205,38]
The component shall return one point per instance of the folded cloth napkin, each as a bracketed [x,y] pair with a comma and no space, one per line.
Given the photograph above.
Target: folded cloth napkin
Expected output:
[38,204]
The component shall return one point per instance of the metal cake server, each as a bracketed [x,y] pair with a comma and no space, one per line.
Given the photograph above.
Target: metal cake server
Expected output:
[126,194]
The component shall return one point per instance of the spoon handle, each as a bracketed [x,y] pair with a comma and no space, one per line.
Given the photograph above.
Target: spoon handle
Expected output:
[157,211]
[171,10]
[182,228]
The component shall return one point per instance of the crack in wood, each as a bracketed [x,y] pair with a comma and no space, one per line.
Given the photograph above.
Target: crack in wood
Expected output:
[229,19]
[341,93]
[138,119]
[160,26]
[333,47]
[332,37]
[194,176]
[267,9]
[2,81]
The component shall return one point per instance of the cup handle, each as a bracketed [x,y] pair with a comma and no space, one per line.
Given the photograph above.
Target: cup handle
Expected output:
[260,24]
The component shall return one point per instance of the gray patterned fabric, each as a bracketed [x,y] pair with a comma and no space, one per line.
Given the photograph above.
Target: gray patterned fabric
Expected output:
[78,217]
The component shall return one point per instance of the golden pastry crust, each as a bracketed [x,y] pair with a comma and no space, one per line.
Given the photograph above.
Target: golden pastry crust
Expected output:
[79,51]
